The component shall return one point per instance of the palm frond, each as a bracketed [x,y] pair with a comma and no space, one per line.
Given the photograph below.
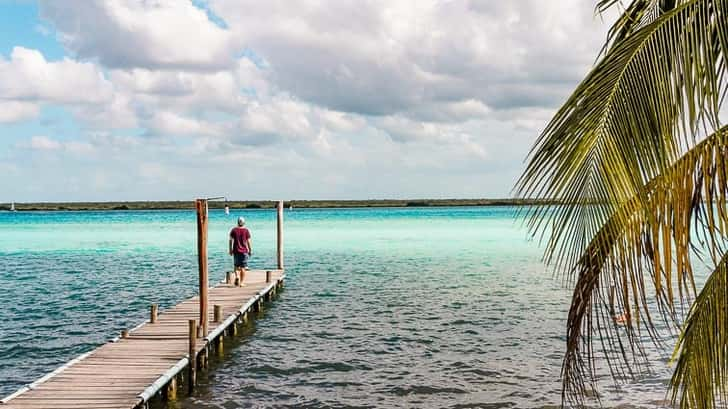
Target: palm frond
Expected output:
[645,246]
[700,379]
[636,15]
[624,124]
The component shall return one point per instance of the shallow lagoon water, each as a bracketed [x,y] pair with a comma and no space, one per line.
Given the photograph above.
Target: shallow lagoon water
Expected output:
[425,307]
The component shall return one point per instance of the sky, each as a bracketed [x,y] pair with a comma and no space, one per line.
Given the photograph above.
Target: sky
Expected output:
[344,99]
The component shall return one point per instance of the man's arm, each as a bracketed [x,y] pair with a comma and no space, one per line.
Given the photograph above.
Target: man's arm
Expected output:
[230,246]
[250,246]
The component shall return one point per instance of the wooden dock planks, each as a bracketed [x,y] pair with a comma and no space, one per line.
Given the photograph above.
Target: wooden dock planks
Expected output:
[115,374]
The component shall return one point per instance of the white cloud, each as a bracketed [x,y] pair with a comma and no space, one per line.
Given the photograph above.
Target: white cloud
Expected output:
[281,117]
[355,99]
[79,148]
[154,172]
[457,111]
[28,76]
[44,143]
[172,124]
[183,90]
[147,34]
[14,111]
[119,112]
[28,81]
[341,122]
[387,57]
[404,130]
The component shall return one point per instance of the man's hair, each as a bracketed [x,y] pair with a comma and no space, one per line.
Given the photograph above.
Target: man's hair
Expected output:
[241,221]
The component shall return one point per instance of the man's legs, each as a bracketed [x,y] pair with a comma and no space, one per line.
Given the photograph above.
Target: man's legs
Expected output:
[244,267]
[238,262]
[241,265]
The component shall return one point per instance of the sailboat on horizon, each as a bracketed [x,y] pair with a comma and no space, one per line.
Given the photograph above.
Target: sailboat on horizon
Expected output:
[12,206]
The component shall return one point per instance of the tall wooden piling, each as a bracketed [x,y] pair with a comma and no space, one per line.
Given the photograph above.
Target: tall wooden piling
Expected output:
[201,205]
[280,235]
[192,357]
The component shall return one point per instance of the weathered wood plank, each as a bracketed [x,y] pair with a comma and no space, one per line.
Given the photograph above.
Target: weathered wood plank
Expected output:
[114,374]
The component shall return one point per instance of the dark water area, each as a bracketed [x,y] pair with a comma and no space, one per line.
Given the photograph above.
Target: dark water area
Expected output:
[405,335]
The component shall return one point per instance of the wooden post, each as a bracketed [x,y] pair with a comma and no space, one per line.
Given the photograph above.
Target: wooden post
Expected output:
[192,357]
[153,313]
[125,333]
[221,346]
[170,391]
[203,357]
[218,313]
[201,205]
[229,277]
[267,276]
[280,235]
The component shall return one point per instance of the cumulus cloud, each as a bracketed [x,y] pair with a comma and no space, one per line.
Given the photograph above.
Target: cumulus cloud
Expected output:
[369,58]
[28,76]
[385,57]
[170,123]
[368,99]
[188,91]
[147,34]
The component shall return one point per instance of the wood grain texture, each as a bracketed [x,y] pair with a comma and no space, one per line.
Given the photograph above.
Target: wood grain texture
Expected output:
[114,374]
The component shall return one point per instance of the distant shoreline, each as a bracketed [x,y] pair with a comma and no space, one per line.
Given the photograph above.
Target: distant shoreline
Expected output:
[263,204]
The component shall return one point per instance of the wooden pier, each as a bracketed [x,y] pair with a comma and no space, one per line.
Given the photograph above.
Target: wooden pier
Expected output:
[162,355]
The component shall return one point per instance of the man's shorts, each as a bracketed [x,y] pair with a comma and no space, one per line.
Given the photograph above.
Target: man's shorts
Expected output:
[241,259]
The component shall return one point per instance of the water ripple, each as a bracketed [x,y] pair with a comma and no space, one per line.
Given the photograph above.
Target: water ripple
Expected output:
[371,315]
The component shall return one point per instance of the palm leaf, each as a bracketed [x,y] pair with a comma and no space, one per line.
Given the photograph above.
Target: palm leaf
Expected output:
[635,16]
[642,238]
[700,379]
[622,126]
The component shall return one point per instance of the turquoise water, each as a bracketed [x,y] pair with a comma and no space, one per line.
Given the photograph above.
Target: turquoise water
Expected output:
[427,307]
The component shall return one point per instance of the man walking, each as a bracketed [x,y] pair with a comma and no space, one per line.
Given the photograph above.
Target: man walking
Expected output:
[240,248]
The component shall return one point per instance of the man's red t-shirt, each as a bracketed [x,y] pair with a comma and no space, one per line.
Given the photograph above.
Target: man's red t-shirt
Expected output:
[240,236]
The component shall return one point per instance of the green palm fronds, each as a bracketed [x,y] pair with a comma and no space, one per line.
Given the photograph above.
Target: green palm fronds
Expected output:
[637,195]
[700,379]
[642,238]
[622,125]
[635,16]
